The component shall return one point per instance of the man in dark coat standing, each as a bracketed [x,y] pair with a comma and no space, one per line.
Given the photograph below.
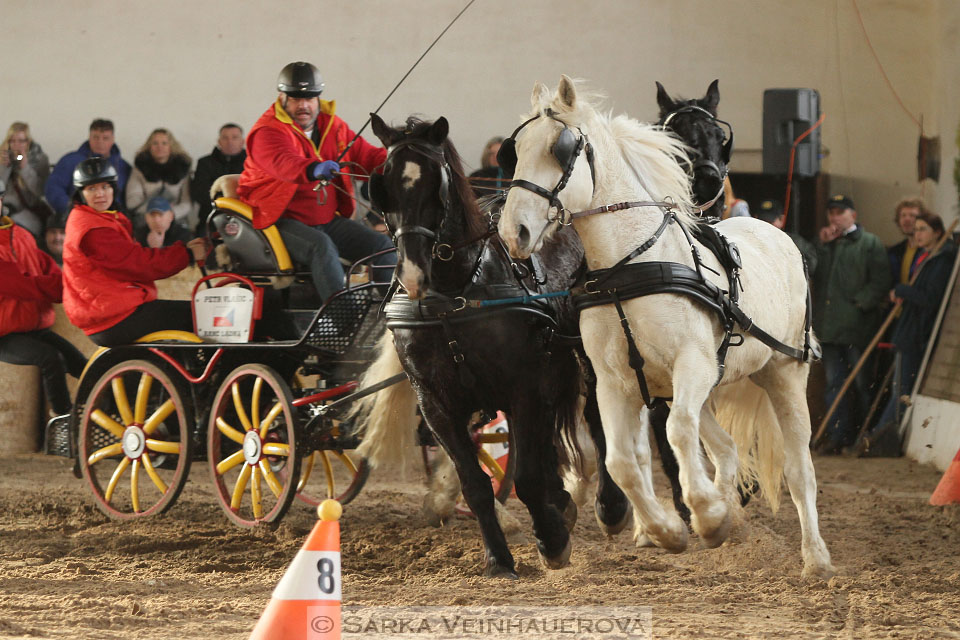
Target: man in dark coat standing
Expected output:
[227,158]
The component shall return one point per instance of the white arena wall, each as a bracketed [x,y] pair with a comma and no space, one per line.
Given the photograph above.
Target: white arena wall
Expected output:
[191,66]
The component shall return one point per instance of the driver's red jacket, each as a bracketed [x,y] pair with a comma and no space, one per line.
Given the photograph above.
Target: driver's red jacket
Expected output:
[274,180]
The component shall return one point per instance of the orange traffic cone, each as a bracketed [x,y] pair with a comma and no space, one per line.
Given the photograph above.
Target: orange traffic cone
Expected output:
[948,491]
[306,603]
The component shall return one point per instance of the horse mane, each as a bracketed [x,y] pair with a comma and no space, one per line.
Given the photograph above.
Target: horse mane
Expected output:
[460,185]
[653,155]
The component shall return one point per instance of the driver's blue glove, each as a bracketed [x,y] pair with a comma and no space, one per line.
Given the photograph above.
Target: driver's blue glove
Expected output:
[323,170]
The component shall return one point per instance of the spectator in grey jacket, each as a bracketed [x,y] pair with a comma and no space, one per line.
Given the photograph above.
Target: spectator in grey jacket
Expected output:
[227,158]
[24,167]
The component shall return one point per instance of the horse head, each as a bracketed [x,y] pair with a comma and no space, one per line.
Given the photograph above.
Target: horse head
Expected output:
[544,163]
[696,123]
[425,198]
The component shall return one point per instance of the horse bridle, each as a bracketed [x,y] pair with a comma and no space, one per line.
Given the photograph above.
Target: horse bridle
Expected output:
[566,150]
[706,163]
[441,250]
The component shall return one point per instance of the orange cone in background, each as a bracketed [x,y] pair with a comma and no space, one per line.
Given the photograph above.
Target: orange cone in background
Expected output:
[306,603]
[948,491]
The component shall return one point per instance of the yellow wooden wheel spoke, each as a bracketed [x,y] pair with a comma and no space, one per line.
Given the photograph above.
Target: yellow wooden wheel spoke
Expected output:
[255,400]
[255,498]
[275,410]
[230,462]
[163,446]
[328,469]
[240,487]
[115,478]
[120,397]
[114,449]
[276,449]
[493,438]
[350,464]
[271,479]
[490,463]
[107,423]
[148,465]
[135,486]
[143,396]
[229,431]
[238,406]
[156,419]
[306,469]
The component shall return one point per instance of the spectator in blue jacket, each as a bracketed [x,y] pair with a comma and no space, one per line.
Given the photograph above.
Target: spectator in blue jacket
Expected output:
[59,190]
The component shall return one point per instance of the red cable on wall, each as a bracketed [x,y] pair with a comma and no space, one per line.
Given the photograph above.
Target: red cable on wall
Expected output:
[793,155]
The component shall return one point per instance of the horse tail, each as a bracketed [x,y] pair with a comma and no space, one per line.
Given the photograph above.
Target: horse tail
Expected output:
[570,426]
[744,410]
[387,420]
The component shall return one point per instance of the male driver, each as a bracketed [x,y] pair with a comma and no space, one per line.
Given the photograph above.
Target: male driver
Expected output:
[59,190]
[292,147]
[227,158]
[850,287]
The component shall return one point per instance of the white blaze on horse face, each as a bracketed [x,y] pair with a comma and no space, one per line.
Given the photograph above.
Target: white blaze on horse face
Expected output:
[411,279]
[411,175]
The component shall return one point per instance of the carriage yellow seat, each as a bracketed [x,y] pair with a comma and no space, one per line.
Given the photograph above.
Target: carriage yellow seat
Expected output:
[250,250]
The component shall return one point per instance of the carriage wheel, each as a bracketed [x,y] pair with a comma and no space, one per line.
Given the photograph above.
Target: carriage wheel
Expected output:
[343,476]
[252,445]
[135,456]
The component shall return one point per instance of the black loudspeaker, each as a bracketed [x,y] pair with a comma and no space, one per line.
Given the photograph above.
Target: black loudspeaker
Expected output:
[787,113]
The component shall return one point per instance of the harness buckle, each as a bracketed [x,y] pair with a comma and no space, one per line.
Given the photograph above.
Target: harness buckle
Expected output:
[736,339]
[443,252]
[463,304]
[455,349]
[586,287]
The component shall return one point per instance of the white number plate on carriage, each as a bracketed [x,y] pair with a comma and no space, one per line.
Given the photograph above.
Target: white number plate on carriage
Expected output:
[224,314]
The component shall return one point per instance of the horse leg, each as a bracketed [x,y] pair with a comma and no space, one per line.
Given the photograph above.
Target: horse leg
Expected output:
[612,507]
[659,413]
[628,462]
[723,452]
[443,489]
[450,428]
[538,484]
[786,386]
[709,513]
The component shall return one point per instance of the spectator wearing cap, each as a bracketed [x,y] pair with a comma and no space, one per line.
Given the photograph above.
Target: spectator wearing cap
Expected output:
[59,189]
[53,236]
[850,288]
[227,158]
[160,228]
[771,211]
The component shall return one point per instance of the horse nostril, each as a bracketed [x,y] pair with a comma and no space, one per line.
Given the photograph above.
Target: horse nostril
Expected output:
[523,235]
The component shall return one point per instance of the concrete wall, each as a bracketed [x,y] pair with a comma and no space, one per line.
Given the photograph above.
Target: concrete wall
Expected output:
[191,66]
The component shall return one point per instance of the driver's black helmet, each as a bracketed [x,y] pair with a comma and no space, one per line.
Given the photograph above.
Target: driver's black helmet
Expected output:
[300,80]
[94,170]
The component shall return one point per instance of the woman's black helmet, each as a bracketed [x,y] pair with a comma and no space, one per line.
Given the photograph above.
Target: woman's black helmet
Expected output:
[94,170]
[300,80]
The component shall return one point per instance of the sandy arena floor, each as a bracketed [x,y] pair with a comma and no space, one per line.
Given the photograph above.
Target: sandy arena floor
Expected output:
[66,571]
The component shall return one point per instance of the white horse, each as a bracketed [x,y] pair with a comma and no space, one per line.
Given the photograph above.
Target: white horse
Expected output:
[677,336]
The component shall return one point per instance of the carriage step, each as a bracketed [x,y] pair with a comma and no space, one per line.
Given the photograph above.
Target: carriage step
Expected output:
[56,438]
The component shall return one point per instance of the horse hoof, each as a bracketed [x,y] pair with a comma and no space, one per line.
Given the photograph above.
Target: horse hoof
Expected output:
[570,515]
[559,561]
[824,572]
[494,569]
[672,541]
[715,538]
[433,518]
[616,527]
[643,541]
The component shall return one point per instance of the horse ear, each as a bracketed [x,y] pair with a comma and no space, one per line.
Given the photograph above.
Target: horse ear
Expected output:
[539,95]
[438,131]
[386,133]
[664,101]
[712,99]
[567,92]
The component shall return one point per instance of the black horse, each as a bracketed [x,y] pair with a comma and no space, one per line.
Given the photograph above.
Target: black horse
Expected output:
[466,348]
[696,123]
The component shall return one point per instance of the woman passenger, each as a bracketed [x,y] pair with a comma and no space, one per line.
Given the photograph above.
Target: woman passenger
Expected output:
[108,288]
